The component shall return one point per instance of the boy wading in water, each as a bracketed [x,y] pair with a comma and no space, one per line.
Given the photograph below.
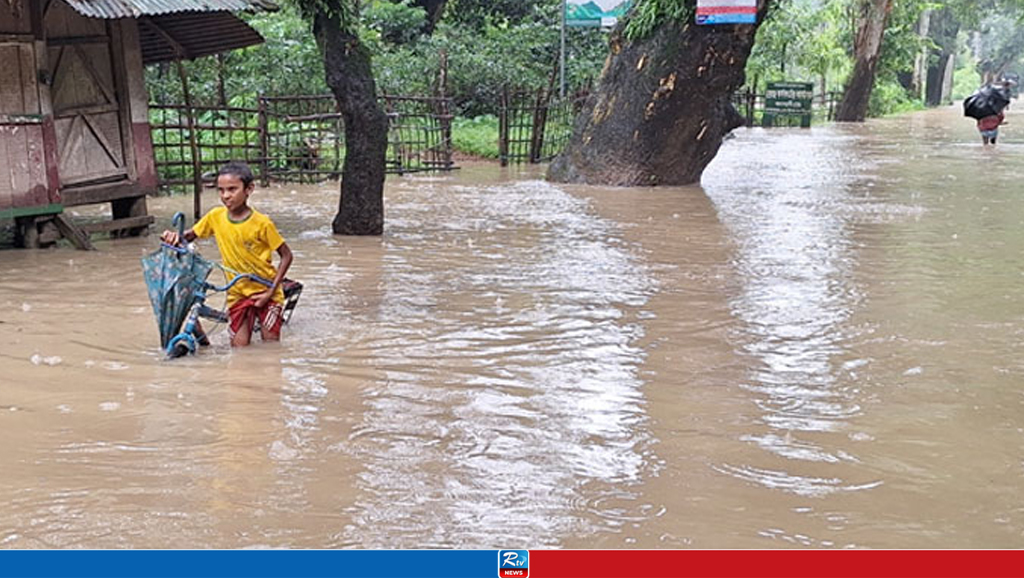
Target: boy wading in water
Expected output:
[246,239]
[989,128]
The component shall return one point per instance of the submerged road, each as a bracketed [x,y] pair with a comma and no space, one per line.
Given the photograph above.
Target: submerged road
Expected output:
[820,346]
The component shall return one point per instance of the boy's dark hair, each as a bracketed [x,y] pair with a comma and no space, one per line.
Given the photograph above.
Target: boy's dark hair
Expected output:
[240,170]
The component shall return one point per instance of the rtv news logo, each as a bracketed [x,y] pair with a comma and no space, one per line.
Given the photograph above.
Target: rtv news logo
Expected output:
[513,563]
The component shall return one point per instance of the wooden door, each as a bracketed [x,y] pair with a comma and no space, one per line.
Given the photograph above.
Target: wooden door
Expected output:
[87,109]
[23,180]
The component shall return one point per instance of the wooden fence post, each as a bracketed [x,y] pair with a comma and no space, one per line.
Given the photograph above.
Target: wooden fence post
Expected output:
[339,134]
[503,128]
[753,101]
[444,112]
[193,145]
[261,107]
[395,135]
[539,120]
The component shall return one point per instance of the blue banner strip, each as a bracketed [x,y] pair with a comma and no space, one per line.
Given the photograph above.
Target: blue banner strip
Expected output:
[249,563]
[727,19]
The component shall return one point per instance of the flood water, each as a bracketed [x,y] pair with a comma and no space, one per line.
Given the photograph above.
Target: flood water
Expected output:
[821,346]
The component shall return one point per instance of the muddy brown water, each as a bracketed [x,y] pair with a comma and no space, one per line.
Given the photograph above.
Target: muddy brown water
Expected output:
[820,347]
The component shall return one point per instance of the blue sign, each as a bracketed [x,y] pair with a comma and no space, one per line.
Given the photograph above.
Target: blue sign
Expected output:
[513,563]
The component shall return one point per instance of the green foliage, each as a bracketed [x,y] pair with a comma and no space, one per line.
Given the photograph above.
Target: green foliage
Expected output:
[812,40]
[346,12]
[890,97]
[970,12]
[287,63]
[479,66]
[1000,42]
[476,136]
[802,40]
[484,62]
[901,42]
[394,22]
[965,76]
[478,14]
[646,15]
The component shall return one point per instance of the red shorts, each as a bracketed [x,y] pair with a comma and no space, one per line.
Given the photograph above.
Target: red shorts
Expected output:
[245,314]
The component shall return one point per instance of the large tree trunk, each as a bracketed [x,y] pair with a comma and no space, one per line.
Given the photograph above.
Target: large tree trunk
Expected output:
[867,48]
[943,31]
[937,93]
[920,81]
[348,72]
[661,106]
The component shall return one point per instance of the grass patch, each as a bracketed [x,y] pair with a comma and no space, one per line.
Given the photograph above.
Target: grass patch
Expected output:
[476,136]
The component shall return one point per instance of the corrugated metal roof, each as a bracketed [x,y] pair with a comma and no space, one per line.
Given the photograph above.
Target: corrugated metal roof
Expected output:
[194,34]
[135,8]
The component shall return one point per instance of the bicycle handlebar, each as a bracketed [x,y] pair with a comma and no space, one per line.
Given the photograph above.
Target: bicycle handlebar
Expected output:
[238,276]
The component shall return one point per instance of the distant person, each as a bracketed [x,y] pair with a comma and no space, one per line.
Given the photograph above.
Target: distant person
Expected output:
[246,239]
[989,128]
[1011,82]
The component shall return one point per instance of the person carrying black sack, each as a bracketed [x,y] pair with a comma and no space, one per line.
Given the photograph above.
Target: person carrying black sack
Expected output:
[989,127]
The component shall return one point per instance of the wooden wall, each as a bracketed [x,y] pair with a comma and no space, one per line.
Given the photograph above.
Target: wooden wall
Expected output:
[15,21]
[138,104]
[23,173]
[73,108]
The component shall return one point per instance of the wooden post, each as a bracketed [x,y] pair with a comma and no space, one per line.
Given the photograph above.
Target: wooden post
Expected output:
[395,135]
[339,133]
[443,111]
[261,106]
[503,128]
[26,234]
[77,237]
[539,118]
[193,145]
[752,102]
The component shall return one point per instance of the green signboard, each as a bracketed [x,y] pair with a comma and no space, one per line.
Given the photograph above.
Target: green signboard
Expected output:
[594,12]
[788,99]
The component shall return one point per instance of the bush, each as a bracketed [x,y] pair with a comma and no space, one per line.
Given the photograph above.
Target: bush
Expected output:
[889,97]
[481,63]
[476,136]
[397,23]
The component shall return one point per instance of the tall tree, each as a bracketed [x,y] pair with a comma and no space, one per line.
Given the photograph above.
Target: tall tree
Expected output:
[867,48]
[942,30]
[349,75]
[1000,43]
[662,104]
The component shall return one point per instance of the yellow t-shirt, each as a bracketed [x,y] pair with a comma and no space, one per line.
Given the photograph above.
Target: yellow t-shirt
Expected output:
[245,246]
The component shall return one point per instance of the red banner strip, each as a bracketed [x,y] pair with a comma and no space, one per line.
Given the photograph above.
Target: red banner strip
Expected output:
[775,564]
[726,10]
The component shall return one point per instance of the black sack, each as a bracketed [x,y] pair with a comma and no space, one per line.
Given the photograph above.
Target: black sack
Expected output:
[986,101]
